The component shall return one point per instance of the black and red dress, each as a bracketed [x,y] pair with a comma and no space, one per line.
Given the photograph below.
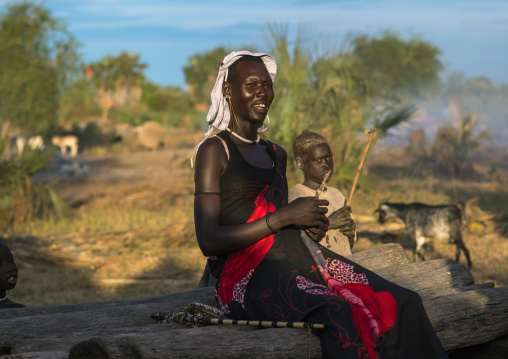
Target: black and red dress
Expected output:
[277,279]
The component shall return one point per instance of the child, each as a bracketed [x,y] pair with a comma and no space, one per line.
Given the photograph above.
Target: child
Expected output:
[8,277]
[314,158]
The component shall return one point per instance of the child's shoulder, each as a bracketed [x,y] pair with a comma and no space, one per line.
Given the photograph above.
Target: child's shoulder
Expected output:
[333,190]
[300,190]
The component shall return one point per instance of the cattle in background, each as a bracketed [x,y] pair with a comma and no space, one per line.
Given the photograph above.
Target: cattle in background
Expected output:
[68,144]
[426,221]
[16,146]
[36,142]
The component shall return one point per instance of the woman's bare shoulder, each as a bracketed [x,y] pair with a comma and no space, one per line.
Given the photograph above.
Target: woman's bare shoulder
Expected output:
[212,151]
[211,144]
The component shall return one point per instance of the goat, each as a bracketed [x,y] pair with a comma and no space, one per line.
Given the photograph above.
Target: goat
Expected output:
[421,220]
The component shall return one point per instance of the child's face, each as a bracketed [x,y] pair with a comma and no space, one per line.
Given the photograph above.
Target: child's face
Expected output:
[8,269]
[318,162]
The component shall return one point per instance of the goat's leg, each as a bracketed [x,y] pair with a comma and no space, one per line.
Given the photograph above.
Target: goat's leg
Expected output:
[461,245]
[415,246]
[420,240]
[456,238]
[459,241]
[466,253]
[457,253]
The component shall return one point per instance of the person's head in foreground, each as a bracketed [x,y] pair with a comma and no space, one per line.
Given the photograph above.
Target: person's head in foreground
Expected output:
[8,277]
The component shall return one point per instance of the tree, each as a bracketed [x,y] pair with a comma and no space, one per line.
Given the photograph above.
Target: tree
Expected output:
[38,59]
[78,102]
[117,80]
[292,104]
[398,68]
[200,74]
[159,98]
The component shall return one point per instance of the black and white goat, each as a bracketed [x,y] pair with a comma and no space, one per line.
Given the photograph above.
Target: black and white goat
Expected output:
[439,221]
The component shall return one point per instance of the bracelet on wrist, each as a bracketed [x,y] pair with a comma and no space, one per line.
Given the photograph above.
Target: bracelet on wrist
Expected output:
[268,223]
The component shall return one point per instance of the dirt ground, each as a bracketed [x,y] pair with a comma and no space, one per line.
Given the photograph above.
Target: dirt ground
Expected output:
[121,171]
[149,248]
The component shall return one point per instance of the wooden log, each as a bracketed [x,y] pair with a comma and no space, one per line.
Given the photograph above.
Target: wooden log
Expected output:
[241,343]
[427,295]
[64,341]
[52,354]
[98,317]
[428,275]
[496,349]
[460,319]
[454,330]
[469,318]
[204,295]
[382,256]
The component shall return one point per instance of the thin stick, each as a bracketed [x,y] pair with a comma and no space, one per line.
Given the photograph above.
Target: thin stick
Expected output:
[371,133]
[318,193]
[323,183]
[266,324]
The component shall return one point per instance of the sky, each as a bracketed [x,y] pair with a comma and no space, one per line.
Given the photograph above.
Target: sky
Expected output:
[471,34]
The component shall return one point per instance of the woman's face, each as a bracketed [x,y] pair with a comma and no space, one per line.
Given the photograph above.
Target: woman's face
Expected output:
[251,91]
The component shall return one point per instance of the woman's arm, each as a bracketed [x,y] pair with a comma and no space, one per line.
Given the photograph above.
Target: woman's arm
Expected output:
[214,239]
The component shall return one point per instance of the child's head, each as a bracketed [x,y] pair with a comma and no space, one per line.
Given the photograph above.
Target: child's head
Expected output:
[8,269]
[313,156]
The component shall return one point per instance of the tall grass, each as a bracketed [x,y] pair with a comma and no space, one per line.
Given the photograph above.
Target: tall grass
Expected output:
[97,221]
[21,200]
[325,94]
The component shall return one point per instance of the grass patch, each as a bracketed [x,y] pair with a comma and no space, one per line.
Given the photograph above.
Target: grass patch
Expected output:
[109,220]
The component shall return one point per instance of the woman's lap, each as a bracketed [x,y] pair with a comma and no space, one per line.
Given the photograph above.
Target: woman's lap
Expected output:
[287,286]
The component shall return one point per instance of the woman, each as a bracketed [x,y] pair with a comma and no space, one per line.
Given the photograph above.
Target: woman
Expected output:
[267,267]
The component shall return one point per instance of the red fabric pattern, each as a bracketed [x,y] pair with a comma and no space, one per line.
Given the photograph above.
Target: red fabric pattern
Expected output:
[344,272]
[240,288]
[239,264]
[373,313]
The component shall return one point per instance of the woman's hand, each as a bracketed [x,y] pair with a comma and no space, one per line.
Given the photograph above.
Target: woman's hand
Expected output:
[318,233]
[307,212]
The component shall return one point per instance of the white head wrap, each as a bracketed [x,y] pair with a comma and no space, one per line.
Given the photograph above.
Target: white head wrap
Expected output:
[219,114]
